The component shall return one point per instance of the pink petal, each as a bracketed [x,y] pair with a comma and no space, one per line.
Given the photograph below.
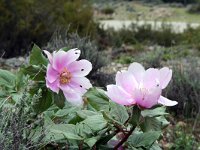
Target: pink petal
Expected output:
[53,86]
[80,84]
[147,97]
[151,78]
[73,97]
[80,68]
[49,56]
[52,74]
[165,76]
[166,102]
[62,59]
[118,95]
[126,80]
[137,70]
[73,55]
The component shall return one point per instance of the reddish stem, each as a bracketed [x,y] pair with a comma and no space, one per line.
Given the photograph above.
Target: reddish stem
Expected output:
[124,139]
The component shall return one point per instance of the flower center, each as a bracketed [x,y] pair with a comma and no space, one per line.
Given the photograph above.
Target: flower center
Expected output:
[65,76]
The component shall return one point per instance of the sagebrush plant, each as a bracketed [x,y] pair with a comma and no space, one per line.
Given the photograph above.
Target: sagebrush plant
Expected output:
[184,87]
[98,122]
[19,125]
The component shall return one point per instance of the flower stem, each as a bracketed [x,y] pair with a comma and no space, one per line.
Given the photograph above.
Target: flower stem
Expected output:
[125,138]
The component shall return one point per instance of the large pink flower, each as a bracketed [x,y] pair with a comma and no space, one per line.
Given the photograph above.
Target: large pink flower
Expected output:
[139,87]
[65,73]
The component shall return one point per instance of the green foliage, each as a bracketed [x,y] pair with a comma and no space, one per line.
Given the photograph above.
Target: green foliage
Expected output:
[145,140]
[153,113]
[36,57]
[145,34]
[97,99]
[185,88]
[183,139]
[191,37]
[41,119]
[24,22]
[19,125]
[108,10]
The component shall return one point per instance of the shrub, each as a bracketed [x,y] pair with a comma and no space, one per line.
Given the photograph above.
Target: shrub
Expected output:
[23,22]
[19,126]
[191,37]
[108,10]
[140,34]
[185,88]
[194,8]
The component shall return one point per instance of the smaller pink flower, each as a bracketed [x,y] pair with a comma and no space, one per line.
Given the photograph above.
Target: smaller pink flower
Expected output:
[65,73]
[139,87]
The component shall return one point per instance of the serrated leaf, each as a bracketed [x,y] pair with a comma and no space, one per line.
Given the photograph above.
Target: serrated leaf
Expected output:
[7,78]
[67,131]
[36,73]
[86,113]
[96,122]
[159,111]
[66,111]
[59,99]
[151,124]
[83,130]
[44,102]
[97,99]
[163,121]
[36,57]
[143,139]
[91,141]
[119,113]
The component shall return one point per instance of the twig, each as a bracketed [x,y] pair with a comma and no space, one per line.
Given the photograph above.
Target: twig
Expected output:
[125,138]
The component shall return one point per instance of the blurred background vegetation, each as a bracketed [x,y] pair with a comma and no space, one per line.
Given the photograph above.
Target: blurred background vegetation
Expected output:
[27,21]
[54,24]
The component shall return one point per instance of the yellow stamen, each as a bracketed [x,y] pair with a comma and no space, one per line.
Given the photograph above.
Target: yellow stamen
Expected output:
[65,76]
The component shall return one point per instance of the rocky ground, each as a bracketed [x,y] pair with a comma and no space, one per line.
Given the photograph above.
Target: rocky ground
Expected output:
[12,63]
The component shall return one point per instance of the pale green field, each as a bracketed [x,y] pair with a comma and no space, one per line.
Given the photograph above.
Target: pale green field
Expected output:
[145,12]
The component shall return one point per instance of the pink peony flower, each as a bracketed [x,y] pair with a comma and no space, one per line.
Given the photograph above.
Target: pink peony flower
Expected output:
[139,87]
[65,73]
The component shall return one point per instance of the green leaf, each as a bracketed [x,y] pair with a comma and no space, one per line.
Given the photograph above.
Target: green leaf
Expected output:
[64,131]
[118,112]
[21,80]
[36,57]
[151,124]
[36,73]
[84,130]
[163,121]
[66,111]
[7,78]
[91,141]
[97,99]
[59,99]
[43,102]
[95,122]
[135,116]
[86,113]
[143,139]
[159,111]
